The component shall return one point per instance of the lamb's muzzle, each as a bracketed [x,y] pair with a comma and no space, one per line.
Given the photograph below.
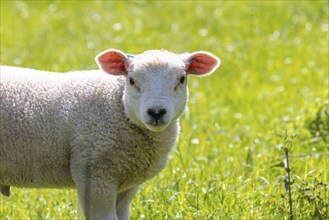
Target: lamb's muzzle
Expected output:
[156,115]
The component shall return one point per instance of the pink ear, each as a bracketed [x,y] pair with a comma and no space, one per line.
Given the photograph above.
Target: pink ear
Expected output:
[113,62]
[201,63]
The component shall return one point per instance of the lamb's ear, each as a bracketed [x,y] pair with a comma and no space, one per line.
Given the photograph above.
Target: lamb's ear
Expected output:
[113,61]
[200,63]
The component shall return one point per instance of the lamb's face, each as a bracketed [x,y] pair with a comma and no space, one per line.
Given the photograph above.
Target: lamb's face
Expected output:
[156,91]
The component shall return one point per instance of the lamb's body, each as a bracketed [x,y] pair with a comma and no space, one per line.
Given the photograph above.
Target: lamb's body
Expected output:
[59,120]
[103,134]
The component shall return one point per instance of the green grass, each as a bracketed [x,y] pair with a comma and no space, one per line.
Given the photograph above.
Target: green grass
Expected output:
[273,78]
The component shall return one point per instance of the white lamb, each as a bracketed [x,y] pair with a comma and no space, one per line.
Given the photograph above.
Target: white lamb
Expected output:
[103,134]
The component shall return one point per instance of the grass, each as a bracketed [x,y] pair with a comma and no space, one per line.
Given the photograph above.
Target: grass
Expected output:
[273,79]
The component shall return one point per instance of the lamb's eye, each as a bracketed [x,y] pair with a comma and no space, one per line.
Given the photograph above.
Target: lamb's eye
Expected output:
[131,81]
[182,79]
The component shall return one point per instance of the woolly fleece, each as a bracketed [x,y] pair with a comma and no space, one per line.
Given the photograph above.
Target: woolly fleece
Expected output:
[52,121]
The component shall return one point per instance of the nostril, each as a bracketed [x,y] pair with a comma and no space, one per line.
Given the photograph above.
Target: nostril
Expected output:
[156,113]
[162,111]
[150,112]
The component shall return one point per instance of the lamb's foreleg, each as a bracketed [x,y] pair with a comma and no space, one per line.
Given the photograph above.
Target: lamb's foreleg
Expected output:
[123,202]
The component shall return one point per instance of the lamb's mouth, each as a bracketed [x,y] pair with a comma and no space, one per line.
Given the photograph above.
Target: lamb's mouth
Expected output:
[156,126]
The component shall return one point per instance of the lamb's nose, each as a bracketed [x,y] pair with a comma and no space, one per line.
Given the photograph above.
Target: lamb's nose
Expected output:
[156,113]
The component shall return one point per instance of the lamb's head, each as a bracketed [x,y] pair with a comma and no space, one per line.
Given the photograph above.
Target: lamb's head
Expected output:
[156,82]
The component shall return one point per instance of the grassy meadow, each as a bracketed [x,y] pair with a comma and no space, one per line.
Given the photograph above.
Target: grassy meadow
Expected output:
[270,94]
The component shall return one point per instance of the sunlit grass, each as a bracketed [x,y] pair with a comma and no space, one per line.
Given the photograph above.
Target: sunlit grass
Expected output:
[273,78]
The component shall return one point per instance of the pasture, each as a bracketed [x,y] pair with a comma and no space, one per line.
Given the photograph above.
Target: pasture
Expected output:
[269,94]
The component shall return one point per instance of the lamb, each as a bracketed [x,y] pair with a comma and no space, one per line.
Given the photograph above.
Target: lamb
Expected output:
[104,131]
